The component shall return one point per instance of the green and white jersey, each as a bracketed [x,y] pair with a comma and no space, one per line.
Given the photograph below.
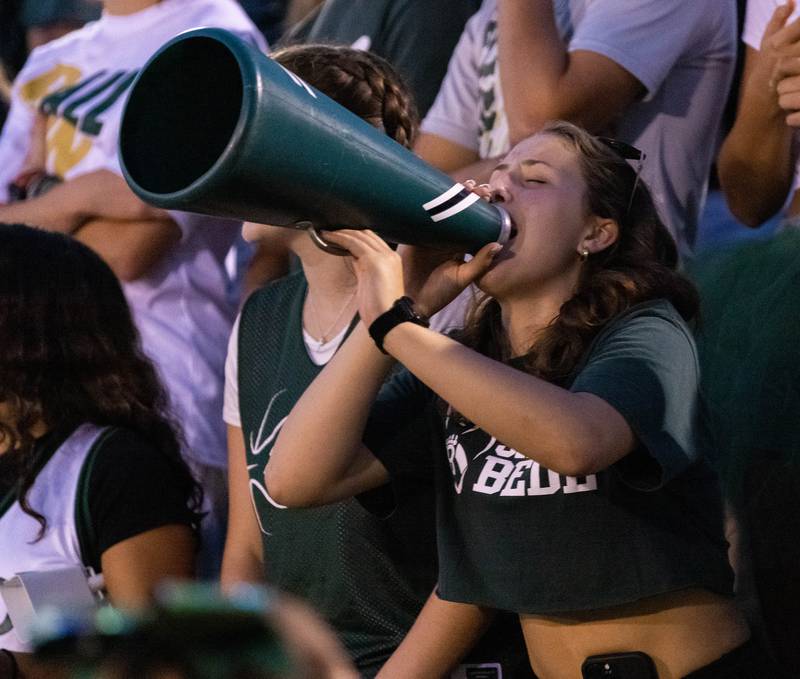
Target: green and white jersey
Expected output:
[59,493]
[368,576]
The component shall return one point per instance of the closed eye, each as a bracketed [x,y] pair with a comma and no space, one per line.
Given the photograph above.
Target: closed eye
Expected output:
[535,181]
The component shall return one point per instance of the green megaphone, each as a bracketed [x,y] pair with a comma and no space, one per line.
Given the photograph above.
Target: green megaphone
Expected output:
[214,126]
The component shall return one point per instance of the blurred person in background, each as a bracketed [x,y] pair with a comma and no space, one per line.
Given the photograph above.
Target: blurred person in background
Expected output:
[651,73]
[91,473]
[59,170]
[751,330]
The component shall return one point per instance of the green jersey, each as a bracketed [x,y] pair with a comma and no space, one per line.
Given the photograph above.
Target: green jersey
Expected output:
[369,576]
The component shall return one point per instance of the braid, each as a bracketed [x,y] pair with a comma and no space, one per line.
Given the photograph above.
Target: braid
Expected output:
[362,82]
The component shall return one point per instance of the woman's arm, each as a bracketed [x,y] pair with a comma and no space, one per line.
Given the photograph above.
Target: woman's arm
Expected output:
[134,567]
[66,207]
[242,560]
[544,81]
[318,457]
[441,636]
[569,433]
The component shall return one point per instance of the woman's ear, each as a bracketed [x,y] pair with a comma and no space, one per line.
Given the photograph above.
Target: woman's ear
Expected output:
[601,234]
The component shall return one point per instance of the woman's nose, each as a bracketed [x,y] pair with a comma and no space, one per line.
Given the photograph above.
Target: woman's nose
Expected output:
[500,194]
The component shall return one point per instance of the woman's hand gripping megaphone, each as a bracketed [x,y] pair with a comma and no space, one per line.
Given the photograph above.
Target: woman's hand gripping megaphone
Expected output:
[432,278]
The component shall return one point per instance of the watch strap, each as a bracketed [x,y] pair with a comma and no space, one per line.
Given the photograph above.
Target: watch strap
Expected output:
[402,311]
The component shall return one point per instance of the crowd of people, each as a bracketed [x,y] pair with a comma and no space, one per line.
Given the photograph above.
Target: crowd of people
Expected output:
[570,454]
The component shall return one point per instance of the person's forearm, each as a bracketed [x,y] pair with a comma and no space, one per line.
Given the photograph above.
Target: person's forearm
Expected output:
[130,248]
[542,80]
[756,162]
[329,419]
[44,213]
[532,60]
[243,558]
[239,566]
[569,433]
[442,634]
[68,206]
[478,172]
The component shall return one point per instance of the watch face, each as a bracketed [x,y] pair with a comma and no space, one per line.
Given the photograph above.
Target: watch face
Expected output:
[407,305]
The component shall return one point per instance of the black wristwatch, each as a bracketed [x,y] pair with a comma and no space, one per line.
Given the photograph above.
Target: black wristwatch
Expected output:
[402,311]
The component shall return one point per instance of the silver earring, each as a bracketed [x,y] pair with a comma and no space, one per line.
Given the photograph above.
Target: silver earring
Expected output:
[584,255]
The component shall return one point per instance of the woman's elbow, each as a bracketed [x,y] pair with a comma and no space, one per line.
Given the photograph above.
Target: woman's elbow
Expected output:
[582,455]
[284,490]
[575,462]
[752,215]
[751,201]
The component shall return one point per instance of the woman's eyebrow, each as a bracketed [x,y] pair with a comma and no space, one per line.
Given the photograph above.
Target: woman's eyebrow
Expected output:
[528,162]
[533,161]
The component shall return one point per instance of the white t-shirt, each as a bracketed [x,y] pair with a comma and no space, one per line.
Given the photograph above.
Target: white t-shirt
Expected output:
[758,14]
[53,495]
[682,51]
[181,306]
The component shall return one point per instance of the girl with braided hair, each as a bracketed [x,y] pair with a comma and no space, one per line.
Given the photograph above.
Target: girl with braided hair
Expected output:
[368,575]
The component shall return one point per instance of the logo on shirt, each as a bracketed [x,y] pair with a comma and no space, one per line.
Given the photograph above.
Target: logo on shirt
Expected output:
[498,470]
[258,444]
[75,108]
[492,127]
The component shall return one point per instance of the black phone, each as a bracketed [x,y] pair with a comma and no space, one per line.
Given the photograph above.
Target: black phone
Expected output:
[631,665]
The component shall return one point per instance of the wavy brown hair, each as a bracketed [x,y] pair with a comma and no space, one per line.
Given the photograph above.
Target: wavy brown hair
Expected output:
[70,354]
[640,266]
[361,81]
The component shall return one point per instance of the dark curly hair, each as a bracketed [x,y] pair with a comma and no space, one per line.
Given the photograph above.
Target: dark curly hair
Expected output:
[70,354]
[361,81]
[640,266]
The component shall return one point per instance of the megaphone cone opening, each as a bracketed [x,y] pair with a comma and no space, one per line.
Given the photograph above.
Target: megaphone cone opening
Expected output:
[181,115]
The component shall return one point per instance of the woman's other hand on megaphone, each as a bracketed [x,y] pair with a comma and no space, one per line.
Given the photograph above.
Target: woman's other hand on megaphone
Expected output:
[434,278]
[381,282]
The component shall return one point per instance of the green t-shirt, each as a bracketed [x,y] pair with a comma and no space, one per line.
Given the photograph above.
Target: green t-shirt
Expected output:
[516,536]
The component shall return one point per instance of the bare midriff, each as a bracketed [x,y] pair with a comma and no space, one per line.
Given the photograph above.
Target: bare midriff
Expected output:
[681,631]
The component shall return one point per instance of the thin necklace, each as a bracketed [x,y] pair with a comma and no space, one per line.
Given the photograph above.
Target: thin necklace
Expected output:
[323,339]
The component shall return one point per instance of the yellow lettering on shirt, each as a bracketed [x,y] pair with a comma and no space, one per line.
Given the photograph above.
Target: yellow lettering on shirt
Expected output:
[66,147]
[58,78]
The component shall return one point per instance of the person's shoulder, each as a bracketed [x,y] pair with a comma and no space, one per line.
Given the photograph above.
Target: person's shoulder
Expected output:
[121,454]
[659,308]
[288,284]
[274,292]
[654,319]
[227,14]
[64,46]
[118,443]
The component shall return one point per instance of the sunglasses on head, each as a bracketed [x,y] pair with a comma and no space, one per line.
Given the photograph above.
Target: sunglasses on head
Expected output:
[627,152]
